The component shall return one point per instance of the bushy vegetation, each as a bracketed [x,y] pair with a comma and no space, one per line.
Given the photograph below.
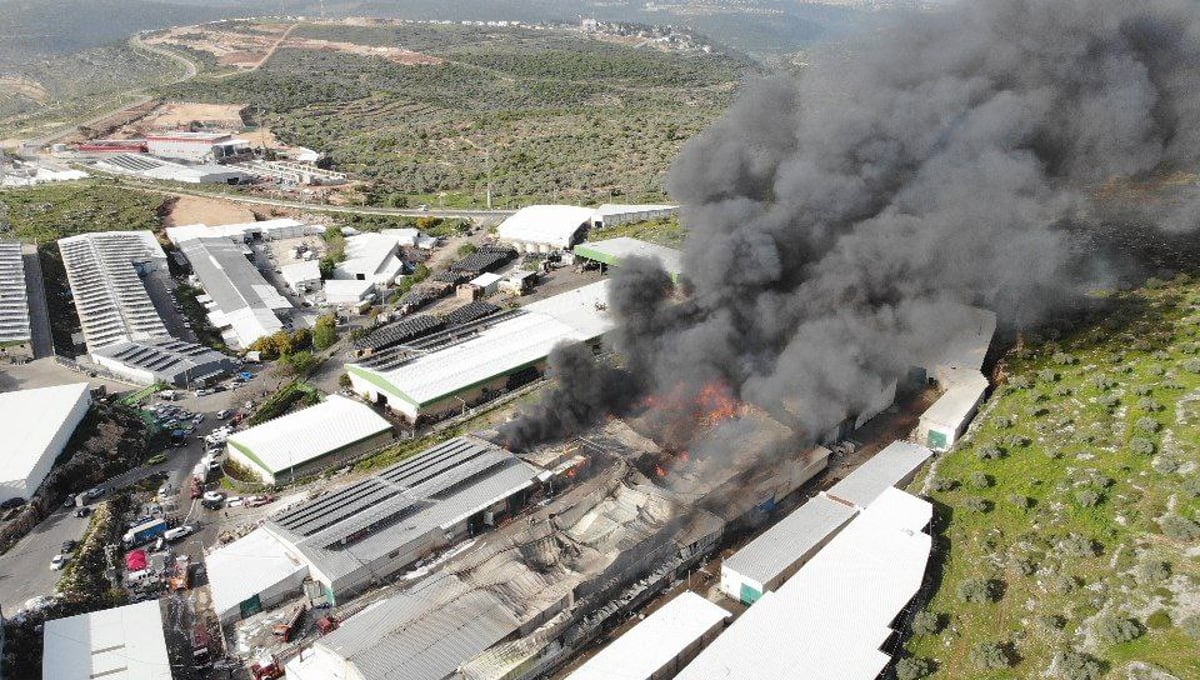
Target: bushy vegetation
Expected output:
[49,212]
[1094,509]
[543,115]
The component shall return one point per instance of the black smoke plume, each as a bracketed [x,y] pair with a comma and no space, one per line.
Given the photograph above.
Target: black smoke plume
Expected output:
[837,223]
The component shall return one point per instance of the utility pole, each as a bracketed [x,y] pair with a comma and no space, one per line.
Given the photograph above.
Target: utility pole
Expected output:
[488,154]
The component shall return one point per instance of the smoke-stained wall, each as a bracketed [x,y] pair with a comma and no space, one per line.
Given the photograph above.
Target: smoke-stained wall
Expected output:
[838,222]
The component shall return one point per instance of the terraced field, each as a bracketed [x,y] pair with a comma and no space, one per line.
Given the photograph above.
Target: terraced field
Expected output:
[1068,517]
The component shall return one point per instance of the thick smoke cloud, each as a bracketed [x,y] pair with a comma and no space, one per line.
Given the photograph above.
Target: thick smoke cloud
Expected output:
[838,223]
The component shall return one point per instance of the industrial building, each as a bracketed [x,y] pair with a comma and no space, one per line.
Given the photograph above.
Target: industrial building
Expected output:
[349,539]
[943,423]
[963,345]
[123,643]
[15,330]
[833,619]
[105,271]
[302,277]
[611,252]
[772,557]
[196,146]
[253,573]
[159,169]
[371,257]
[38,424]
[480,360]
[300,443]
[615,214]
[545,228]
[660,645]
[244,232]
[241,302]
[894,466]
[170,361]
[348,292]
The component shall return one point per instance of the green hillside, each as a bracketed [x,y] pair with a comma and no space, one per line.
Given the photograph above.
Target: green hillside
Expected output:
[1068,517]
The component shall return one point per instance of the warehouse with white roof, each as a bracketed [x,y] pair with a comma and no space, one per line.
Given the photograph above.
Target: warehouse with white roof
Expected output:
[255,572]
[611,252]
[772,557]
[545,228]
[266,230]
[614,214]
[371,257]
[832,619]
[658,646]
[302,277]
[15,329]
[348,292]
[894,466]
[943,423]
[105,271]
[299,443]
[241,302]
[470,363]
[37,424]
[123,643]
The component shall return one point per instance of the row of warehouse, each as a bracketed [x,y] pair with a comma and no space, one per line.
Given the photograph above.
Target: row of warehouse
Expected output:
[16,332]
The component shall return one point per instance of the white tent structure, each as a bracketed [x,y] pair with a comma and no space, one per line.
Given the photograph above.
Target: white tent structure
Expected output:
[37,424]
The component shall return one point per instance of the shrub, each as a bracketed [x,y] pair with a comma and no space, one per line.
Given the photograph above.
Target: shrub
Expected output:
[1063,359]
[1155,571]
[1088,498]
[1076,666]
[1141,445]
[989,452]
[1020,500]
[1114,630]
[1026,566]
[1015,441]
[1159,620]
[1191,626]
[977,591]
[926,623]
[1191,486]
[1021,382]
[1003,421]
[1052,621]
[1047,375]
[1076,545]
[1108,400]
[979,504]
[980,480]
[1192,365]
[1147,425]
[943,484]
[912,668]
[990,655]
[1180,528]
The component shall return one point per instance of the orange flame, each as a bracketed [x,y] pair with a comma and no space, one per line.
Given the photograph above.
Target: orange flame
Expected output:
[658,470]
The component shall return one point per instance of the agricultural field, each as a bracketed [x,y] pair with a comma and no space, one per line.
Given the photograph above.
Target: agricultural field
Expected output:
[1067,534]
[546,115]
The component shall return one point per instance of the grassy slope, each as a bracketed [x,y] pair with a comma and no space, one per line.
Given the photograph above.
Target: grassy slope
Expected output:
[556,116]
[665,232]
[1149,348]
[49,212]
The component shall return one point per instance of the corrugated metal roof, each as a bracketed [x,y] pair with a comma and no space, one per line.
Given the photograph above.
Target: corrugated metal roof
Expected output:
[123,643]
[613,251]
[952,408]
[30,419]
[310,433]
[248,566]
[794,537]
[883,471]
[242,297]
[655,642]
[830,619]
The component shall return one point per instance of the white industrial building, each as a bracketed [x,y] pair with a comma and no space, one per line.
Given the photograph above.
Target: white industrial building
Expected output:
[833,618]
[15,330]
[474,365]
[253,573]
[159,169]
[359,535]
[371,257]
[301,442]
[243,232]
[38,424]
[614,214]
[487,283]
[240,301]
[545,228]
[302,277]
[771,558]
[964,344]
[196,146]
[658,646]
[943,423]
[611,252]
[406,237]
[170,361]
[348,292]
[894,466]
[122,643]
[105,271]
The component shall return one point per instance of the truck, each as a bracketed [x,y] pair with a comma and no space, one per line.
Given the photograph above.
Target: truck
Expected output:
[181,574]
[145,532]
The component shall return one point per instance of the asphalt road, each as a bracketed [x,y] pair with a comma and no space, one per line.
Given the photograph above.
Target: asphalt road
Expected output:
[25,570]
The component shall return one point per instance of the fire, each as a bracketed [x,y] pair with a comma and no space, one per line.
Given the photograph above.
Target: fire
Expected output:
[685,457]
[717,403]
[659,471]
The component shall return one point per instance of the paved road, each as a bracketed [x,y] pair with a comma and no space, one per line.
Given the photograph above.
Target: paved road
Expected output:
[39,314]
[25,570]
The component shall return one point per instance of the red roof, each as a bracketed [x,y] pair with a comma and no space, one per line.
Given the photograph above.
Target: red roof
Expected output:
[135,560]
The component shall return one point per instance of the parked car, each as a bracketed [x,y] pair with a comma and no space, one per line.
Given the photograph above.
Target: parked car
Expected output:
[178,532]
[260,500]
[83,512]
[95,492]
[58,562]
[69,546]
[223,414]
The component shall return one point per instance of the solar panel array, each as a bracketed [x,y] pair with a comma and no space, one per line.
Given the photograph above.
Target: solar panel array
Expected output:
[134,163]
[395,356]
[485,260]
[470,312]
[14,299]
[400,332]
[111,299]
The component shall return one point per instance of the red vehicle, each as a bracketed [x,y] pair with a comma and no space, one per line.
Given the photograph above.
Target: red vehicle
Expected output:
[327,624]
[197,489]
[288,630]
[266,669]
[260,500]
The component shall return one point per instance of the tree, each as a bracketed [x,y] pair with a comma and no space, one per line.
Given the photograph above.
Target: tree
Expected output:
[1076,666]
[912,668]
[926,623]
[980,480]
[1114,630]
[1180,528]
[976,591]
[466,249]
[325,334]
[990,655]
[344,381]
[325,266]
